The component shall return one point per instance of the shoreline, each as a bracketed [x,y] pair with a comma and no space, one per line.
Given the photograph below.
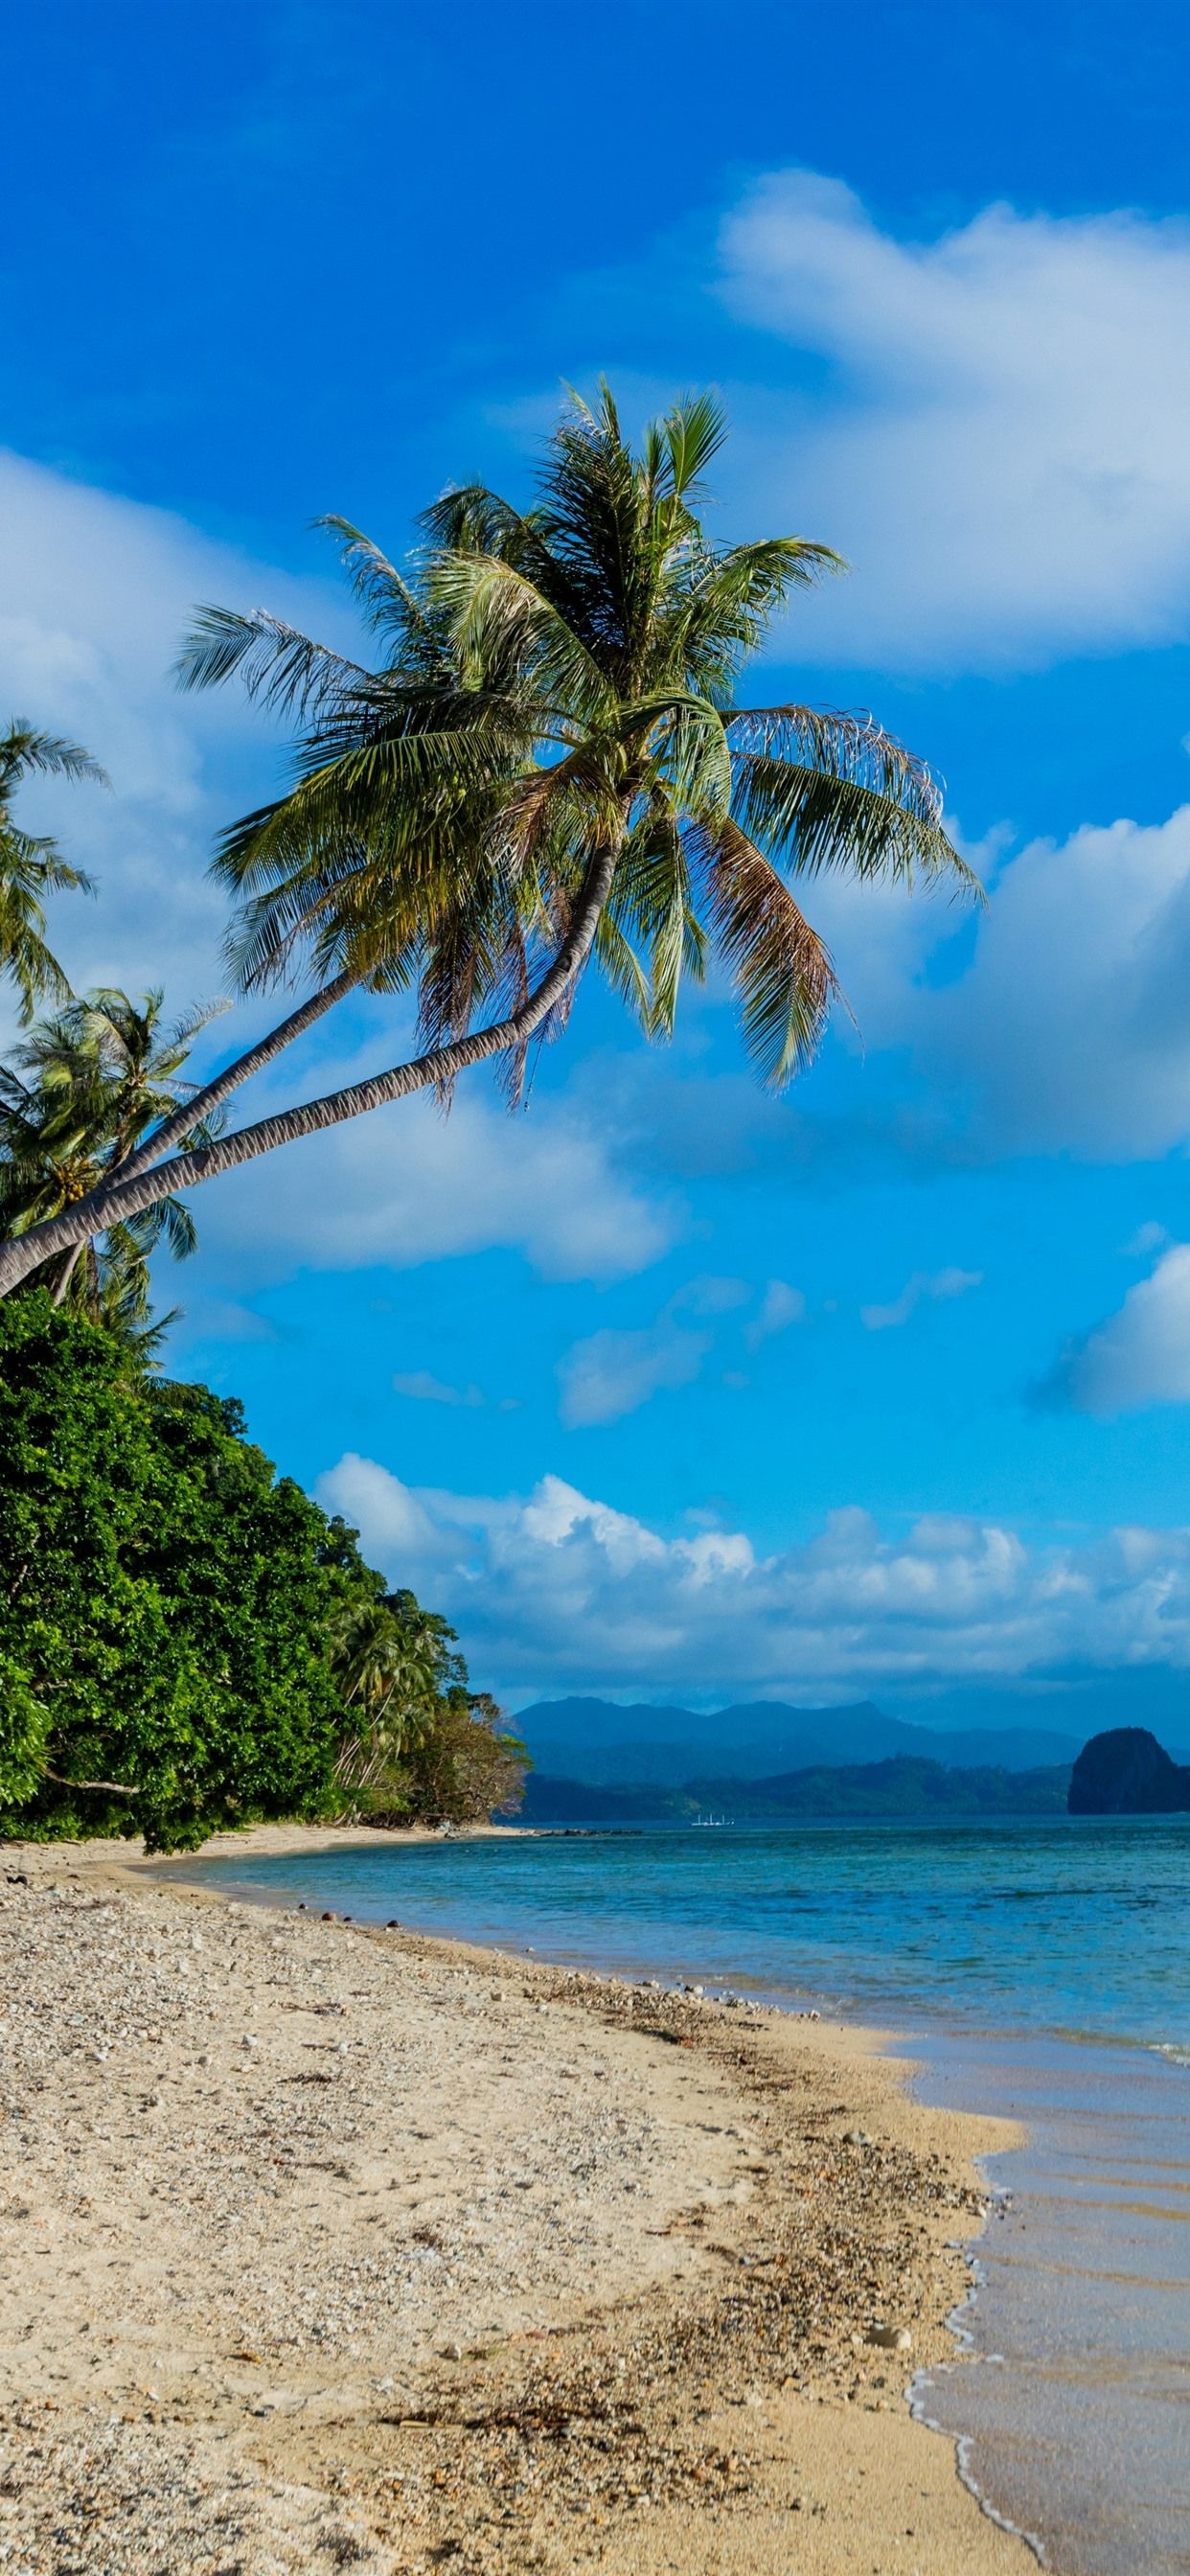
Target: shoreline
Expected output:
[632,2252]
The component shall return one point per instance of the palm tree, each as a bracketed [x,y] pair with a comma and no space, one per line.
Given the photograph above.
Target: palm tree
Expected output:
[80,1093]
[31,868]
[387,1656]
[549,764]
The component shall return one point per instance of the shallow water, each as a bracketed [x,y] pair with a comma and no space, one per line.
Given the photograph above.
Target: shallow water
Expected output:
[1039,1967]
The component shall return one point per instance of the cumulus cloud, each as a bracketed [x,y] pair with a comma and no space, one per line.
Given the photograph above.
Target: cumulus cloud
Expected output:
[1140,1355]
[924,1283]
[559,1591]
[405,1185]
[614,1373]
[1069,1030]
[95,592]
[1001,451]
[1060,1028]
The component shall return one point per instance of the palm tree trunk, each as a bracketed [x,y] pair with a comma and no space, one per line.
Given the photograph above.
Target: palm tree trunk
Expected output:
[126,1197]
[65,1275]
[220,1088]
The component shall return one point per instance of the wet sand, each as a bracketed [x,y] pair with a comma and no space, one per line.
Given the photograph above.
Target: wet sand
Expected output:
[325,2246]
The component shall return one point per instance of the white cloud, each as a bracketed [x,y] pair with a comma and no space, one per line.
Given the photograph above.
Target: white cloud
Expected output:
[710,1294]
[614,1373]
[95,592]
[1141,1355]
[406,1184]
[780,1307]
[422,1388]
[924,1283]
[399,1529]
[1063,1028]
[1002,450]
[1069,1031]
[558,1591]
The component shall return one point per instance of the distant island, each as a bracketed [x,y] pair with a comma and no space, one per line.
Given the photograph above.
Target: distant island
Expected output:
[903,1787]
[1125,1772]
[601,1762]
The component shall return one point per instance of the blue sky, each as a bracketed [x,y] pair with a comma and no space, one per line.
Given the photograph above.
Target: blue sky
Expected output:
[666,1387]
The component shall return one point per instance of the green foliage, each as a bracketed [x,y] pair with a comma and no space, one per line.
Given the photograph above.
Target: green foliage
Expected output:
[905,1785]
[552,684]
[79,1094]
[163,1602]
[31,867]
[461,1767]
[418,1742]
[179,1628]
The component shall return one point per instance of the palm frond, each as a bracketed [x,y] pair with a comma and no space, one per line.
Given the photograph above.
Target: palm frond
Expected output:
[288,672]
[24,748]
[389,602]
[782,970]
[498,614]
[694,430]
[837,791]
[622,967]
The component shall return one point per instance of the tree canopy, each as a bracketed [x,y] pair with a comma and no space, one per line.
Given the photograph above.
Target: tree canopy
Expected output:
[171,1614]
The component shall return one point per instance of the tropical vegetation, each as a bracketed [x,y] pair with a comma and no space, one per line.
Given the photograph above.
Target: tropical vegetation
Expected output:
[33,867]
[81,1090]
[547,765]
[543,768]
[176,1621]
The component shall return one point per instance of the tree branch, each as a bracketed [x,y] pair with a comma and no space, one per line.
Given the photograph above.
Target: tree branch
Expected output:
[112,1788]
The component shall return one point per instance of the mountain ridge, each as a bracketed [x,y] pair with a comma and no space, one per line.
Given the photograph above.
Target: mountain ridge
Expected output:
[904,1786]
[606,1744]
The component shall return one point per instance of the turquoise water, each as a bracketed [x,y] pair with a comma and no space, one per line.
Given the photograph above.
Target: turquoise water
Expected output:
[1037,1967]
[1078,1925]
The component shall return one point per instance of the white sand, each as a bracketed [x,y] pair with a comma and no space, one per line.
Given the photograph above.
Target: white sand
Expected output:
[271,2188]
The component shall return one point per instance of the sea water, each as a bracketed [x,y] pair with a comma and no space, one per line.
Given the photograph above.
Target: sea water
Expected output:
[1037,1967]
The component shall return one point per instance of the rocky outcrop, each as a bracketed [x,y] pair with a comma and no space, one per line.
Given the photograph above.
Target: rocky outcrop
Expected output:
[1127,1773]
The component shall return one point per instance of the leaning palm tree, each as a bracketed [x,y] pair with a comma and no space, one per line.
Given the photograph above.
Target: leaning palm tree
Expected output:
[80,1092]
[547,767]
[32,867]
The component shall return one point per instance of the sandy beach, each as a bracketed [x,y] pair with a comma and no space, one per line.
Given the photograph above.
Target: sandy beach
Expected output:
[330,2247]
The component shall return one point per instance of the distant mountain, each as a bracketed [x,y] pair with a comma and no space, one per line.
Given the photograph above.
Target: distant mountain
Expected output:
[903,1786]
[1125,1772]
[597,1741]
